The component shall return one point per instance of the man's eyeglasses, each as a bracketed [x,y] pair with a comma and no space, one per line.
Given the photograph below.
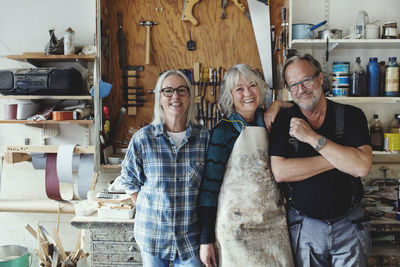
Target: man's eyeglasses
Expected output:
[307,83]
[169,91]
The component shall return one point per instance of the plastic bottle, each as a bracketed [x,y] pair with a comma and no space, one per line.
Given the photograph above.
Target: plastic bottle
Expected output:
[382,75]
[358,80]
[373,77]
[394,124]
[392,78]
[376,132]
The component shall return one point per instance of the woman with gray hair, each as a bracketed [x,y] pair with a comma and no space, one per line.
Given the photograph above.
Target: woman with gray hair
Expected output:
[242,222]
[162,172]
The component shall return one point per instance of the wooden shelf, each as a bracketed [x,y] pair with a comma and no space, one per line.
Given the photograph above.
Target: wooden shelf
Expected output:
[362,99]
[386,156]
[347,43]
[29,97]
[47,149]
[48,122]
[55,58]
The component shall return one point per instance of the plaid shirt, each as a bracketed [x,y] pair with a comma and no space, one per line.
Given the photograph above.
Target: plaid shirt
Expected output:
[167,179]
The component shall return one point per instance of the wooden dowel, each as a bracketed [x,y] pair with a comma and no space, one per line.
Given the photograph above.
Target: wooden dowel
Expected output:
[32,232]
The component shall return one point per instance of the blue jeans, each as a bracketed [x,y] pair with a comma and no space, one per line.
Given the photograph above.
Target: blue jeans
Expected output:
[344,241]
[149,260]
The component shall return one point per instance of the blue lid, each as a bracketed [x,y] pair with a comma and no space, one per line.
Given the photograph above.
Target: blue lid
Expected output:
[392,58]
[341,63]
[373,59]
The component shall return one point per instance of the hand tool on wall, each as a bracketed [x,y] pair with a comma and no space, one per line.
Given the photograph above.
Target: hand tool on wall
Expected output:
[260,19]
[224,3]
[121,42]
[107,124]
[284,36]
[242,8]
[196,77]
[190,45]
[187,13]
[148,24]
[211,80]
[214,88]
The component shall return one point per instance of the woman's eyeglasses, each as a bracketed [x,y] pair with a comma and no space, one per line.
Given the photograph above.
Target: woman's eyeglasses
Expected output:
[169,91]
[307,83]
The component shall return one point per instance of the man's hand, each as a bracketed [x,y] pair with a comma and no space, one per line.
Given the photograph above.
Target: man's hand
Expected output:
[302,131]
[134,197]
[207,255]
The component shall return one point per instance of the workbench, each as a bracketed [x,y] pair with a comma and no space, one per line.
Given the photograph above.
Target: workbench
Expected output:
[111,241]
[385,253]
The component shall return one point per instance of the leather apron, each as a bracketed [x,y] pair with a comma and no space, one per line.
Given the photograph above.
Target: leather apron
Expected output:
[251,228]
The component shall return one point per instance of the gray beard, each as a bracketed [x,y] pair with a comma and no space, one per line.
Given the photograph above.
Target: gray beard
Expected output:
[312,103]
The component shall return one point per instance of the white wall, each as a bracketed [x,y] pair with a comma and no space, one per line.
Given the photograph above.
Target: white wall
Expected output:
[24,26]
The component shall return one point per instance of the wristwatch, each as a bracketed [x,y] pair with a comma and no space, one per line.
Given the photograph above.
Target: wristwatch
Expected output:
[321,143]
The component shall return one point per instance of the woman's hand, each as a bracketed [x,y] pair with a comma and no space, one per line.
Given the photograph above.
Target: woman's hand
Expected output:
[273,110]
[207,255]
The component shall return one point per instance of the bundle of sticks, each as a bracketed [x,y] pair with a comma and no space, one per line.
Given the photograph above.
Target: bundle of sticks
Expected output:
[50,250]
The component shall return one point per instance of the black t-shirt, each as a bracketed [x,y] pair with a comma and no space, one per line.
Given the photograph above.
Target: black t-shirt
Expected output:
[329,194]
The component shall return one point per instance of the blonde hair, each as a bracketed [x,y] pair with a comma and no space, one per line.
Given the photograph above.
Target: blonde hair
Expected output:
[158,116]
[231,79]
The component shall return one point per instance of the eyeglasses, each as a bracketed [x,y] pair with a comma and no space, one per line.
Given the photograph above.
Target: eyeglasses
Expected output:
[169,91]
[307,83]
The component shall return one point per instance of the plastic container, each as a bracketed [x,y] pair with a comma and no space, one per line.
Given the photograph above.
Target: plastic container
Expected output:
[69,42]
[394,124]
[14,256]
[392,78]
[376,132]
[340,68]
[340,90]
[392,142]
[373,77]
[358,80]
[340,80]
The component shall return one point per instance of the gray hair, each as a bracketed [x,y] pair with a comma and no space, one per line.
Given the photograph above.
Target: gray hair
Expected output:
[307,57]
[230,81]
[158,116]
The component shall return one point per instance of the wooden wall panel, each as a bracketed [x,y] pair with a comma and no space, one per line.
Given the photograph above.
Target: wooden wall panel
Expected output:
[219,43]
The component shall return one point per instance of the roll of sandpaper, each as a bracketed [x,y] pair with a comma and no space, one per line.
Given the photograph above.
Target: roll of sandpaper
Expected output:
[85,173]
[65,161]
[51,178]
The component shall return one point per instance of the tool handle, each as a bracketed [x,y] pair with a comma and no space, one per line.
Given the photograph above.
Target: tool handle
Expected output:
[318,25]
[283,14]
[187,12]
[239,5]
[119,19]
[148,45]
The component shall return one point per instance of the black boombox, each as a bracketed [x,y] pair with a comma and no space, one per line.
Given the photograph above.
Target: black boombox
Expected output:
[41,81]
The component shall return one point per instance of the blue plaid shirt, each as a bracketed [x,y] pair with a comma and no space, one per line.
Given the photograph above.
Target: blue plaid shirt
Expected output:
[167,178]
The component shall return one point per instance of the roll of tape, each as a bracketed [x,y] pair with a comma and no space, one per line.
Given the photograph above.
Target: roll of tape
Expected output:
[63,115]
[25,110]
[38,161]
[10,111]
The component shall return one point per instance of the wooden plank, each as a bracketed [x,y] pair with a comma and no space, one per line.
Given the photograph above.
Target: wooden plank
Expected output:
[83,122]
[42,57]
[48,149]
